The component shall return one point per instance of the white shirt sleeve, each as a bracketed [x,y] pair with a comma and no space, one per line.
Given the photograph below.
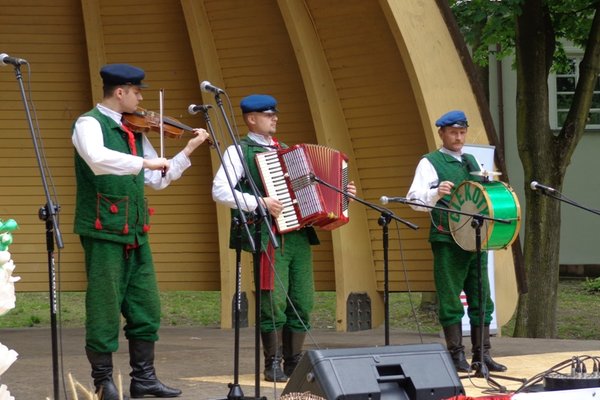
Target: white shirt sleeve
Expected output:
[424,186]
[89,143]
[221,189]
[177,165]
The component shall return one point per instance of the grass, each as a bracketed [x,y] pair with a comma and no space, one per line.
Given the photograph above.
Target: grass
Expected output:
[578,311]
[576,317]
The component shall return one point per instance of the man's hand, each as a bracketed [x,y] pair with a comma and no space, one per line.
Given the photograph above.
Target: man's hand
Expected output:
[273,205]
[200,136]
[155,163]
[445,188]
[351,189]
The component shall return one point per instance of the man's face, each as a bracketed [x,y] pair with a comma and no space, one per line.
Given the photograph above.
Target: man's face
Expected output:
[263,123]
[453,138]
[129,98]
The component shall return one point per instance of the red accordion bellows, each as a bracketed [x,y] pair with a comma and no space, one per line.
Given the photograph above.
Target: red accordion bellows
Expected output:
[287,175]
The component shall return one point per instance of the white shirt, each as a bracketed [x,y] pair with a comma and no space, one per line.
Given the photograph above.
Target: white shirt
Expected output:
[426,181]
[89,143]
[221,191]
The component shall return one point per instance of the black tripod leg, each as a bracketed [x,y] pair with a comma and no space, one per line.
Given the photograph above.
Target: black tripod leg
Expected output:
[46,215]
[256,260]
[235,391]
[481,370]
[384,221]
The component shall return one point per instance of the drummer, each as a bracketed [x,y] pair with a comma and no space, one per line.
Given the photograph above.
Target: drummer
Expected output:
[454,269]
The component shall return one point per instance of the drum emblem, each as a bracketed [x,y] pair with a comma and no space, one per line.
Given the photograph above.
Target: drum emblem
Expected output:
[494,199]
[470,194]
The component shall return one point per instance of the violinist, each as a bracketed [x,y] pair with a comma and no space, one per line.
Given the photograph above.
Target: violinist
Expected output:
[112,165]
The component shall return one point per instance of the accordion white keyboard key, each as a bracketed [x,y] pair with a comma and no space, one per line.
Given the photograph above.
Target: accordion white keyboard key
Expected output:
[276,187]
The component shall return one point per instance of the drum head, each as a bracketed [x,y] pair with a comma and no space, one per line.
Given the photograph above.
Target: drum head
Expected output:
[494,199]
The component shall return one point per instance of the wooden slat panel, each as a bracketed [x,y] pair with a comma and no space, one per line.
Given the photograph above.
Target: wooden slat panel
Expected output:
[51,38]
[380,111]
[56,50]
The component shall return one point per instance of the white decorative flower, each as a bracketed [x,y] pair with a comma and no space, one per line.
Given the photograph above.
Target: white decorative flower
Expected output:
[7,357]
[5,394]
[4,256]
[7,296]
[7,286]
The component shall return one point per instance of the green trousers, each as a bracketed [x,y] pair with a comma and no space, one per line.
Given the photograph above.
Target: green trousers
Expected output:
[294,276]
[119,283]
[455,270]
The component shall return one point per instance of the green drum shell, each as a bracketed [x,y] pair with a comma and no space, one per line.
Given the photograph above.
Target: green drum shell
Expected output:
[494,199]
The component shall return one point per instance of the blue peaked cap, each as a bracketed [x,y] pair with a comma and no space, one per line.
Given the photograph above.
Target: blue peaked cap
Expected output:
[455,118]
[122,74]
[258,103]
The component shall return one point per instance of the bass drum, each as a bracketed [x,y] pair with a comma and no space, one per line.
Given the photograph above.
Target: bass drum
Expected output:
[493,199]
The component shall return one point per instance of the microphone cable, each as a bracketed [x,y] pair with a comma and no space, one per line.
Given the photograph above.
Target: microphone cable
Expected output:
[408,287]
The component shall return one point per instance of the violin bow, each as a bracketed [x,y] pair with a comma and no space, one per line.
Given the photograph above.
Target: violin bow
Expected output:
[161,127]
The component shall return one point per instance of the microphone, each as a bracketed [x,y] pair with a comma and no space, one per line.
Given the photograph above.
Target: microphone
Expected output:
[195,109]
[208,87]
[535,186]
[5,59]
[385,199]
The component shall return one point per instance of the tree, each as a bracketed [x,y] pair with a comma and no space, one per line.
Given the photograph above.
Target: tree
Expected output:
[535,31]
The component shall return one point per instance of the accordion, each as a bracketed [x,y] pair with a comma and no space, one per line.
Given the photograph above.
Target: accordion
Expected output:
[288,175]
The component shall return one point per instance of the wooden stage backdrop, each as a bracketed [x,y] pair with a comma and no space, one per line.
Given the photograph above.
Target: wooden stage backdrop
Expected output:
[365,77]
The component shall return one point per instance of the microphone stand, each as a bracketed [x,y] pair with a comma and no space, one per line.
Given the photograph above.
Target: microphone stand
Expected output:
[47,213]
[235,392]
[384,220]
[481,369]
[564,199]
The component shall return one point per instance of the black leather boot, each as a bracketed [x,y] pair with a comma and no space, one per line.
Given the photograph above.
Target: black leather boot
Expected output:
[272,345]
[453,336]
[143,376]
[292,350]
[492,365]
[102,368]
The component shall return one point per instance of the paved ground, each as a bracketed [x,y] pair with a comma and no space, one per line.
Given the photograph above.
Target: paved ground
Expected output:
[200,361]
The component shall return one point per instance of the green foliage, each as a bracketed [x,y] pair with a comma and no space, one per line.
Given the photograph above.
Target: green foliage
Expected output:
[490,26]
[592,285]
[572,19]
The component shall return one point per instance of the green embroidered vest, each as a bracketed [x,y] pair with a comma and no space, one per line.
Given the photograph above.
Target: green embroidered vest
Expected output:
[111,207]
[450,169]
[249,150]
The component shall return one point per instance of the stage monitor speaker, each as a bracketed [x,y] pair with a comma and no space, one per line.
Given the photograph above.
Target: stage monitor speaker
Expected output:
[409,372]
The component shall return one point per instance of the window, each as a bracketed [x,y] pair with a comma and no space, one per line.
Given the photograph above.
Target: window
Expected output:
[563,85]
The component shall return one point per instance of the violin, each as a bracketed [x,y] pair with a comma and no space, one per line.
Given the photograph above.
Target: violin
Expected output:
[143,121]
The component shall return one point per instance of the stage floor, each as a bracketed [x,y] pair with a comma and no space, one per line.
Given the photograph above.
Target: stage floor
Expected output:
[200,361]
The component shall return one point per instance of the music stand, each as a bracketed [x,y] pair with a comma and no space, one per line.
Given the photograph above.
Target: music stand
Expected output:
[383,221]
